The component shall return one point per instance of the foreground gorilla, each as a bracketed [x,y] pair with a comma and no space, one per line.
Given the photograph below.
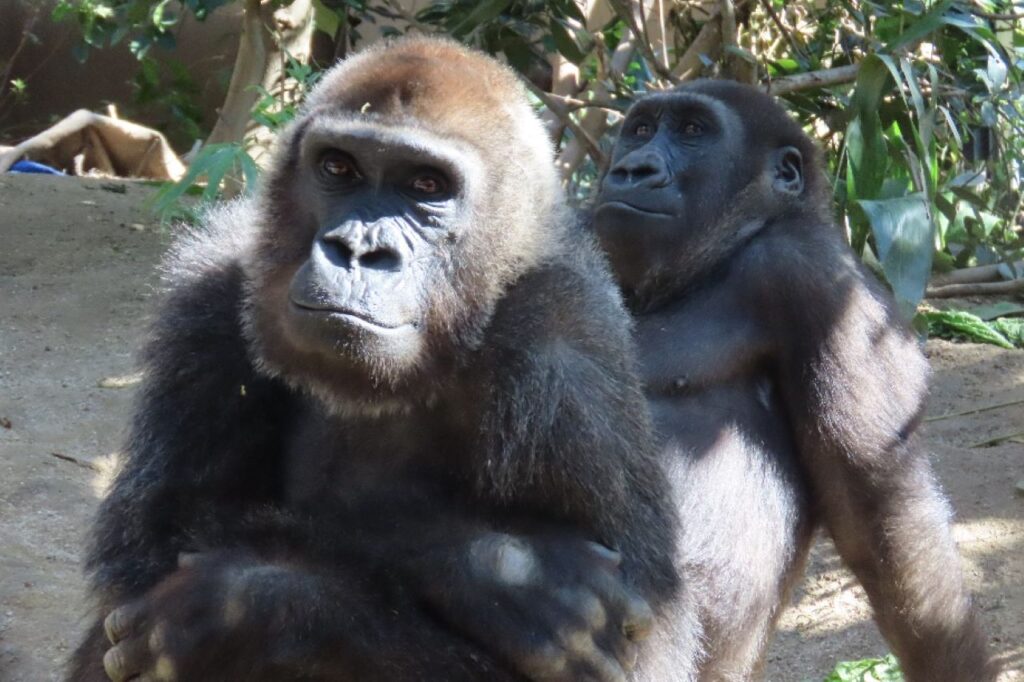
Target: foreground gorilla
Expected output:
[782,384]
[385,411]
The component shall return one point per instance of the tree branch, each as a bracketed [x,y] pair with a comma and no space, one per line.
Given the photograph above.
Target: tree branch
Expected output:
[977,289]
[559,109]
[811,79]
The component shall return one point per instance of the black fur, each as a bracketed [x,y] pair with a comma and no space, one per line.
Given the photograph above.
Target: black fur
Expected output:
[782,382]
[292,511]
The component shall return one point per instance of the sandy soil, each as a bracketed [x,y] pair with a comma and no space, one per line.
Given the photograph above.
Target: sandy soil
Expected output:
[76,275]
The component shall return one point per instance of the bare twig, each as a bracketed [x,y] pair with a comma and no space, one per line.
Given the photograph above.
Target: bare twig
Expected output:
[977,289]
[997,440]
[625,13]
[995,16]
[74,460]
[708,41]
[563,113]
[785,32]
[981,273]
[812,79]
[976,410]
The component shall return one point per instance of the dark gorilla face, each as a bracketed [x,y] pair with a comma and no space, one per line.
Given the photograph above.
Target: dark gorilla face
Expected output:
[673,169]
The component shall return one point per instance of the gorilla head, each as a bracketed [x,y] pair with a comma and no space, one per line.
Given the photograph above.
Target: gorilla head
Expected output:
[401,209]
[695,172]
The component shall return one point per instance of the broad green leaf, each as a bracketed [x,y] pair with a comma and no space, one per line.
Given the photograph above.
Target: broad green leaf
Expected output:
[960,324]
[902,228]
[565,42]
[1000,309]
[484,12]
[866,150]
[325,19]
[867,670]
[928,23]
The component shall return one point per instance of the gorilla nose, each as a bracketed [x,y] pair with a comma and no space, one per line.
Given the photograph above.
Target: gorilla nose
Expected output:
[348,253]
[644,170]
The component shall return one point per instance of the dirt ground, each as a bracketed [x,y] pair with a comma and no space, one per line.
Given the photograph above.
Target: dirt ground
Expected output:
[76,277]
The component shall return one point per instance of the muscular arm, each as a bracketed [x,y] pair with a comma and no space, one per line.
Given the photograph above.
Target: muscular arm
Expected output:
[855,382]
[566,429]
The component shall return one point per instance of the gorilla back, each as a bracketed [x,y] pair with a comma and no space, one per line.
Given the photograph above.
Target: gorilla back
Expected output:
[389,411]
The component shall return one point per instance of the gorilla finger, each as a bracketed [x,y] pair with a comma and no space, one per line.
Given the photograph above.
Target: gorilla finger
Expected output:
[638,619]
[126,660]
[594,663]
[612,556]
[121,621]
[634,613]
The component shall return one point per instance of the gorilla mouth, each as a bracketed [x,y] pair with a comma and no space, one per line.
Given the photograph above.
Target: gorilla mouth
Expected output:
[620,204]
[361,319]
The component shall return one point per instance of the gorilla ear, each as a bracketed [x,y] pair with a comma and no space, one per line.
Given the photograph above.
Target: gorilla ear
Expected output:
[788,170]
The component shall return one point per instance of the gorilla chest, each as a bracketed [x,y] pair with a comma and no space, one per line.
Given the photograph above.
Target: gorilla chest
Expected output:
[353,461]
[708,378]
[699,344]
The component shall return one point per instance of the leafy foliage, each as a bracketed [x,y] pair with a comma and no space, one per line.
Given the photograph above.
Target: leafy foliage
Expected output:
[925,144]
[960,325]
[867,670]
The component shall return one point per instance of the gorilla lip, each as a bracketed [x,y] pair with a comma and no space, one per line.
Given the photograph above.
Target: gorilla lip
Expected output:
[358,318]
[618,203]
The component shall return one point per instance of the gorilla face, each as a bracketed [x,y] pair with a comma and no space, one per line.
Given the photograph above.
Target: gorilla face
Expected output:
[393,221]
[673,167]
[388,207]
[696,172]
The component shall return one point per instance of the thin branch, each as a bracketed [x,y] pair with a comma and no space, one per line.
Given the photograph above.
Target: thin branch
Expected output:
[811,79]
[783,30]
[981,273]
[997,440]
[979,289]
[995,16]
[626,14]
[560,110]
[85,464]
[976,410]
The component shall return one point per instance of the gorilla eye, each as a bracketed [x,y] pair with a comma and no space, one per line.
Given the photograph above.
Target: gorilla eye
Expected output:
[643,129]
[429,185]
[339,166]
[692,128]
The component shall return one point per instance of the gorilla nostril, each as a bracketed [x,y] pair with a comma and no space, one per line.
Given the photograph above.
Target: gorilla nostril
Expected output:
[381,259]
[338,252]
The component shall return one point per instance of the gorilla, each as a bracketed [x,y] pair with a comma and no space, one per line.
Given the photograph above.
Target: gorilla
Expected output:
[391,426]
[785,390]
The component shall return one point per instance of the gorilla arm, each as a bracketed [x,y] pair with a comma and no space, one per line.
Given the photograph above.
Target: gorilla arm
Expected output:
[205,452]
[854,383]
[565,422]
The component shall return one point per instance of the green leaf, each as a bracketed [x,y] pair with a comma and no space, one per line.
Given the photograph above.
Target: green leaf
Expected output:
[902,228]
[325,19]
[994,310]
[484,12]
[866,150]
[867,670]
[960,324]
[566,43]
[929,22]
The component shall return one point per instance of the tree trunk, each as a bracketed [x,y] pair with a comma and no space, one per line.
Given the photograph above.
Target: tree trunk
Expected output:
[269,37]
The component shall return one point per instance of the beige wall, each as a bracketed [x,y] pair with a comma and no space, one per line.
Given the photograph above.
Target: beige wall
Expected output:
[58,84]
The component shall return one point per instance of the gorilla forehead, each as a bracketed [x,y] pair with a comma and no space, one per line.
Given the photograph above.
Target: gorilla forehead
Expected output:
[449,89]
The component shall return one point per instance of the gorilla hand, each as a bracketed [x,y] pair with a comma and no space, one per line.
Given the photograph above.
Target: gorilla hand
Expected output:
[554,607]
[214,607]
